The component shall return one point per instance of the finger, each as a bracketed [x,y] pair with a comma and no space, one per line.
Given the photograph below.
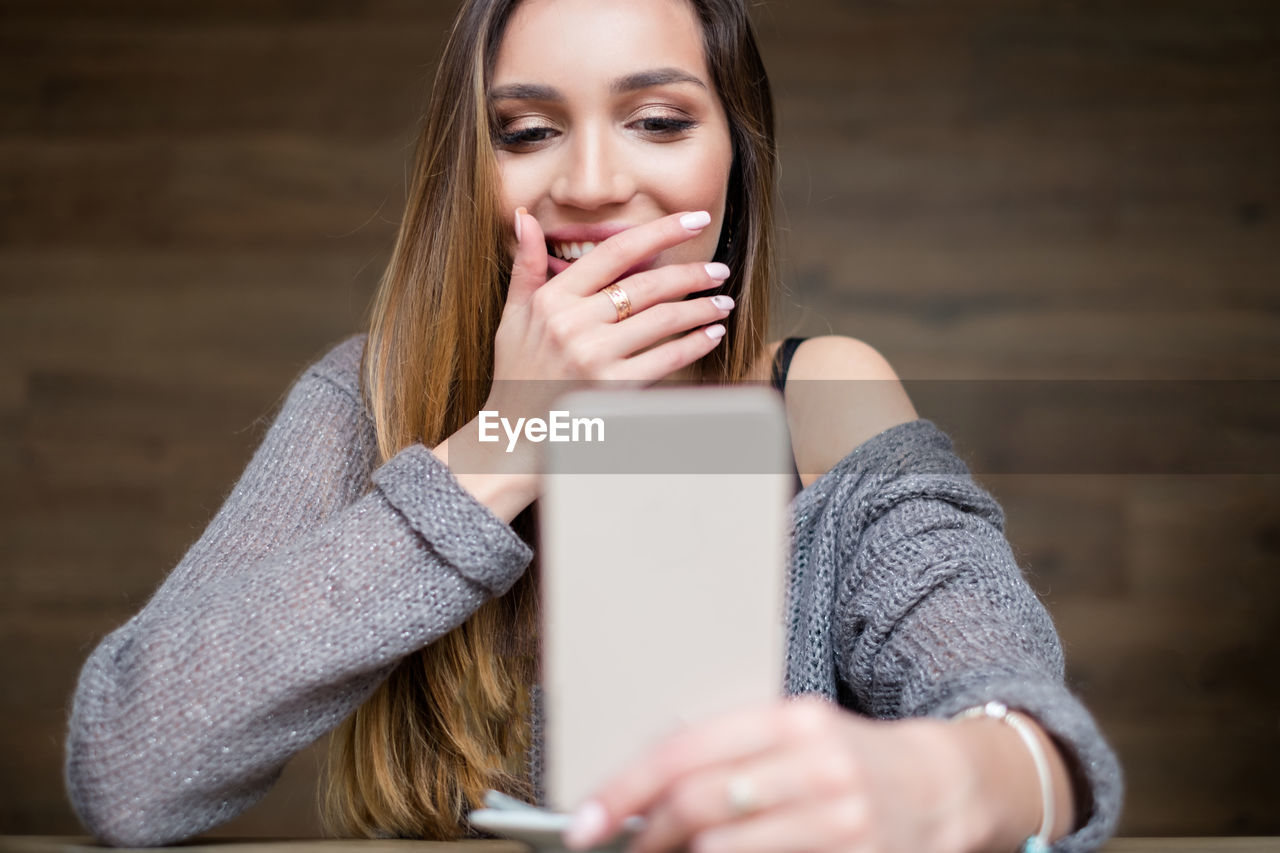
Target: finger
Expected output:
[836,823]
[667,358]
[781,778]
[662,321]
[529,269]
[727,738]
[611,259]
[668,283]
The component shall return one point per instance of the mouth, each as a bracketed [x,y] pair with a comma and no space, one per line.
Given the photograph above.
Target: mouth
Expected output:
[569,252]
[557,264]
[571,243]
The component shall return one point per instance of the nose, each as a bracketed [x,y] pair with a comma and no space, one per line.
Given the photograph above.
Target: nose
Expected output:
[594,172]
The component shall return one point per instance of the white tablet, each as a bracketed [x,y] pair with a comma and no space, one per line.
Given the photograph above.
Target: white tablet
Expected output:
[663,549]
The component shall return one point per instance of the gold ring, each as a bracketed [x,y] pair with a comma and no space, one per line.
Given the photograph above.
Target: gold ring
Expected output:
[742,796]
[621,302]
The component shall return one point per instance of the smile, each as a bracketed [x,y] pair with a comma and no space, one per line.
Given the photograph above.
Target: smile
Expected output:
[570,251]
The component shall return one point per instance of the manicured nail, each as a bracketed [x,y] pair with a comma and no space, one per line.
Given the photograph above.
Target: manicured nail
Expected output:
[694,221]
[724,303]
[520,211]
[715,332]
[586,826]
[717,271]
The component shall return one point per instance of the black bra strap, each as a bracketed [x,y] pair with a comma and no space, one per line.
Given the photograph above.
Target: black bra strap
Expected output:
[782,361]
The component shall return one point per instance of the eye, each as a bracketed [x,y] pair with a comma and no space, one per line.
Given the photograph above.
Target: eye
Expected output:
[665,125]
[522,136]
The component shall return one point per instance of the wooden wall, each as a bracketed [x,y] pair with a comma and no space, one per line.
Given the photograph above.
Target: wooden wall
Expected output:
[198,198]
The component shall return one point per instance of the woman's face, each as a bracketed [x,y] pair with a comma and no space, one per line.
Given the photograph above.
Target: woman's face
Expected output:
[607,119]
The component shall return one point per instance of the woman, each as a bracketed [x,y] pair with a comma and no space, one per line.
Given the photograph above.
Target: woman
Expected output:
[593,179]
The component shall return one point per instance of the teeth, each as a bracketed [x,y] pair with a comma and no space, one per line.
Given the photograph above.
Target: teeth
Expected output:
[571,251]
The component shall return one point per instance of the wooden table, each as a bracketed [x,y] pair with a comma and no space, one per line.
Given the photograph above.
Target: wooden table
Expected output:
[72,844]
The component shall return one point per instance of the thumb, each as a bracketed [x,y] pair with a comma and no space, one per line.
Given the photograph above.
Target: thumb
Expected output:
[529,269]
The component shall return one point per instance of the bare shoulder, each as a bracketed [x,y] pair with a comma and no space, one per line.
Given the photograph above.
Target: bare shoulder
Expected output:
[840,357]
[840,392]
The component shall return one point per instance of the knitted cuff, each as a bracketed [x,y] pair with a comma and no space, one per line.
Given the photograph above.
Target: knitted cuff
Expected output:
[1091,762]
[458,527]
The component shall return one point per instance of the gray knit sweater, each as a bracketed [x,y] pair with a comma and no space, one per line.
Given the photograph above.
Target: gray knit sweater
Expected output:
[307,587]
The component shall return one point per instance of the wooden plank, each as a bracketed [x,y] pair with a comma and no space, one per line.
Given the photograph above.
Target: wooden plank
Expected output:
[213,12]
[879,268]
[1195,768]
[1067,344]
[1067,532]
[1170,663]
[246,320]
[343,77]
[260,191]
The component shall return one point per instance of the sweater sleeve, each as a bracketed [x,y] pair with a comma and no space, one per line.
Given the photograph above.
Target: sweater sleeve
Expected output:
[299,598]
[935,616]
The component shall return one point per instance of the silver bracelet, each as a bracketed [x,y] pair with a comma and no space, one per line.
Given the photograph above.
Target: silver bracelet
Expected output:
[1038,843]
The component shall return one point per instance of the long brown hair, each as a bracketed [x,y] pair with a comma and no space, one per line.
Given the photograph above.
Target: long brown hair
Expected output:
[452,719]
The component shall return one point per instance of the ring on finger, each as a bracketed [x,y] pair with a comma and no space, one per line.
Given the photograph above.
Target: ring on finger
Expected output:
[742,796]
[621,302]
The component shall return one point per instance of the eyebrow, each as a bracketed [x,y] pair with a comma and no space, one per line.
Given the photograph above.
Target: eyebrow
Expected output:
[621,86]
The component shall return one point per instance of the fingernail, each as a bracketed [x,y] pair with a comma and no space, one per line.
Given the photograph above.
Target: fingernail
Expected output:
[724,303]
[520,211]
[715,332]
[586,826]
[717,270]
[694,221]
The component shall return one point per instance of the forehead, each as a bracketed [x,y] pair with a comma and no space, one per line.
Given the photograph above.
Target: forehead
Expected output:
[587,41]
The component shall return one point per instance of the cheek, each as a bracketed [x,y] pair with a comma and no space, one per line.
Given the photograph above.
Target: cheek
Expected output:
[694,182]
[519,182]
